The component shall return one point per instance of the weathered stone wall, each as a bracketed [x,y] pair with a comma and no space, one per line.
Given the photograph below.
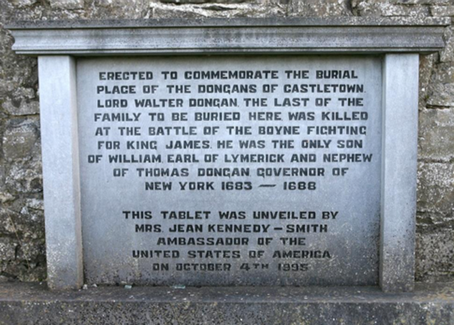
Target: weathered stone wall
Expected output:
[22,244]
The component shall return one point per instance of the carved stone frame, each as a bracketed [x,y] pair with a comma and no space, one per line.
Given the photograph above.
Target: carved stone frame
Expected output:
[58,44]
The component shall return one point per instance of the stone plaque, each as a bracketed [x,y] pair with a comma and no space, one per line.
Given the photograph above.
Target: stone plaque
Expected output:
[230,170]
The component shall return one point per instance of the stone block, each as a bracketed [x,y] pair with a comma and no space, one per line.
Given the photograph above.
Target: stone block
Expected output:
[35,204]
[443,73]
[23,3]
[314,8]
[116,3]
[213,10]
[440,92]
[388,9]
[67,4]
[436,134]
[426,66]
[24,270]
[25,177]
[447,54]
[21,137]
[434,252]
[5,86]
[441,11]
[159,10]
[17,72]
[22,92]
[435,191]
[31,250]
[5,197]
[428,219]
[21,107]
[27,224]
[7,226]
[8,248]
[6,41]
[23,222]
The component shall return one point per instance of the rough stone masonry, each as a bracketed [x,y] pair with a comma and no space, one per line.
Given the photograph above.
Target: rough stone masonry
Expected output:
[22,247]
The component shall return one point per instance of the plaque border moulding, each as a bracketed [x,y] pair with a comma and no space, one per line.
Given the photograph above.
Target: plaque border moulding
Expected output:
[399,41]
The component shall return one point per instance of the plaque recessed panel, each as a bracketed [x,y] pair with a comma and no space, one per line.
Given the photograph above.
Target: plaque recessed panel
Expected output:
[230,170]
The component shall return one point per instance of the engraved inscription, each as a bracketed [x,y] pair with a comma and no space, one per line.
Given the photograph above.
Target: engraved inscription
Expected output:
[230,170]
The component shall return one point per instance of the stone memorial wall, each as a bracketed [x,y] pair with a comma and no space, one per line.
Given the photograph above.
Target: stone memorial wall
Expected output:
[303,131]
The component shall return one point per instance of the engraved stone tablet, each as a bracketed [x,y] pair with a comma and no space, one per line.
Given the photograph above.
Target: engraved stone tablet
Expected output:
[230,170]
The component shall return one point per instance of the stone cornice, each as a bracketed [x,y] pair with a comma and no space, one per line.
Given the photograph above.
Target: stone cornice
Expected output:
[346,35]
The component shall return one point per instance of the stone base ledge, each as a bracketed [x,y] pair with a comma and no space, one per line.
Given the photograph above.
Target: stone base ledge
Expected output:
[32,303]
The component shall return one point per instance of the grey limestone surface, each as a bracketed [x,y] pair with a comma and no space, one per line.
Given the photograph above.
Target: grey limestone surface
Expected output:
[334,216]
[61,171]
[399,171]
[248,36]
[33,304]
